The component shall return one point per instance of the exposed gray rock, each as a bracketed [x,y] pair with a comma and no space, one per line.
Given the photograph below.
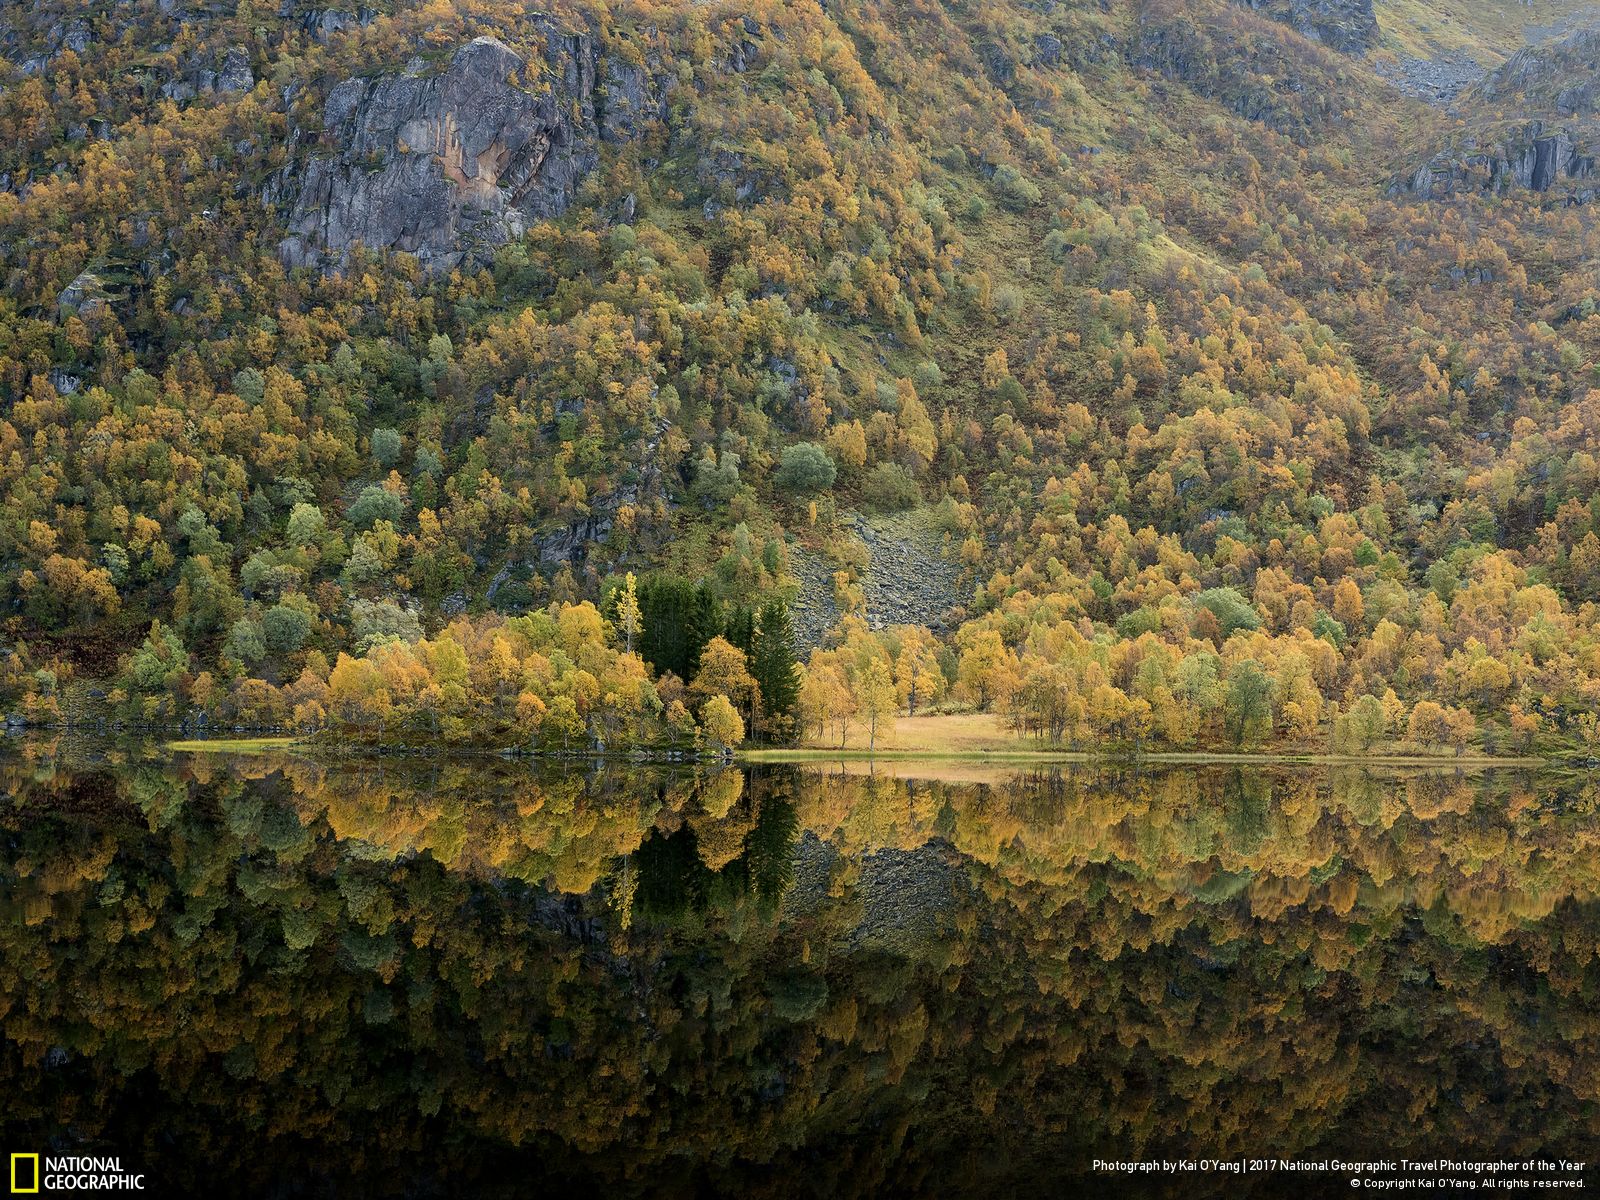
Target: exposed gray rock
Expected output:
[1349,26]
[76,37]
[813,612]
[179,91]
[1530,156]
[60,37]
[83,294]
[908,580]
[629,100]
[725,172]
[1046,50]
[998,63]
[235,75]
[1530,124]
[1437,80]
[231,77]
[440,164]
[1561,77]
[572,543]
[324,24]
[742,56]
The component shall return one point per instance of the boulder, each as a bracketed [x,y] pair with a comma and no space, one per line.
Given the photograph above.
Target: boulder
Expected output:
[84,294]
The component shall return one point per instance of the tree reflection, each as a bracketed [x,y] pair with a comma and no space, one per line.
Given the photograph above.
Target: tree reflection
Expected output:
[442,977]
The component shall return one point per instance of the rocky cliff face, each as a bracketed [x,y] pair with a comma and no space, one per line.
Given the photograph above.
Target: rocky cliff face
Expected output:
[1561,77]
[1533,156]
[1223,53]
[1346,25]
[233,74]
[440,164]
[1551,95]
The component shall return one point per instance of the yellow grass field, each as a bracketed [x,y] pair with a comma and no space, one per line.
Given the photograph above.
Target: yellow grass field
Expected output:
[955,733]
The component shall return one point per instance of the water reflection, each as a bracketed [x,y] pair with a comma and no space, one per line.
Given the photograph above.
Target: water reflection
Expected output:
[468,978]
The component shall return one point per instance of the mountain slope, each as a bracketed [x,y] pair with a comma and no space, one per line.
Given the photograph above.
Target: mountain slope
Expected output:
[324,328]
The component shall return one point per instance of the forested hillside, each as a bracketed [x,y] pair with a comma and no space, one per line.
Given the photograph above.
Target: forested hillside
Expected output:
[1158,374]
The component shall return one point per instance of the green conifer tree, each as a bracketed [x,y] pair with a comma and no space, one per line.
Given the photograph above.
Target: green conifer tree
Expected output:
[776,672]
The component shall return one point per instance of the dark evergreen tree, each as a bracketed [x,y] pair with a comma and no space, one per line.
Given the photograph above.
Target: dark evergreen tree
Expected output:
[773,666]
[679,618]
[740,628]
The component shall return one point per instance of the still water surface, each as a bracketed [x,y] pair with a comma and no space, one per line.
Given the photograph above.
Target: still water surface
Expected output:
[261,975]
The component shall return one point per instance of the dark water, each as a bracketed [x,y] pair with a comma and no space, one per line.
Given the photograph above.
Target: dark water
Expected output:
[260,976]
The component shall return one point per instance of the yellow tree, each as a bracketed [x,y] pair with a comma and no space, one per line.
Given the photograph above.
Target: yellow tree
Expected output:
[721,724]
[628,618]
[356,694]
[987,668]
[875,690]
[724,671]
[917,677]
[825,699]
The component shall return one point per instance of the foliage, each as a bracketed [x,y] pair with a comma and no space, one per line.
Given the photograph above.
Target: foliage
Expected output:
[805,470]
[875,256]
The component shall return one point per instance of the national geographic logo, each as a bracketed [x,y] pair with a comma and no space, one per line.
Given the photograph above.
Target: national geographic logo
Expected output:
[31,1174]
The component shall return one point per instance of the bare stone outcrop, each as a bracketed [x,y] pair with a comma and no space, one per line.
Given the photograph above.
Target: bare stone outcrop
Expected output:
[1561,77]
[439,164]
[1349,26]
[1530,156]
[1530,125]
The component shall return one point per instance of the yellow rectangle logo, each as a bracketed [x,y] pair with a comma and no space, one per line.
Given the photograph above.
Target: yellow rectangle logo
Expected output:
[16,1187]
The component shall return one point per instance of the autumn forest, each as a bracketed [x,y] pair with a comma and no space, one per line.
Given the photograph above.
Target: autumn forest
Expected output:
[785,598]
[576,428]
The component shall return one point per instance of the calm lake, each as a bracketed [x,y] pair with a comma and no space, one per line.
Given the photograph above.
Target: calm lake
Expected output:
[262,975]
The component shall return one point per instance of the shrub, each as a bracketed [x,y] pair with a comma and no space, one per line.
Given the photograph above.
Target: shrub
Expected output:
[805,469]
[376,504]
[284,628]
[1016,191]
[722,725]
[890,487]
[1230,608]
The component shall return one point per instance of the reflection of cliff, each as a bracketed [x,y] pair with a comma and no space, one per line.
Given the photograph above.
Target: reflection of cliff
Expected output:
[842,986]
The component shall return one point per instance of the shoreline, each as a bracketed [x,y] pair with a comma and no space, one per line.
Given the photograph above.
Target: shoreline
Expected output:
[797,756]
[1177,757]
